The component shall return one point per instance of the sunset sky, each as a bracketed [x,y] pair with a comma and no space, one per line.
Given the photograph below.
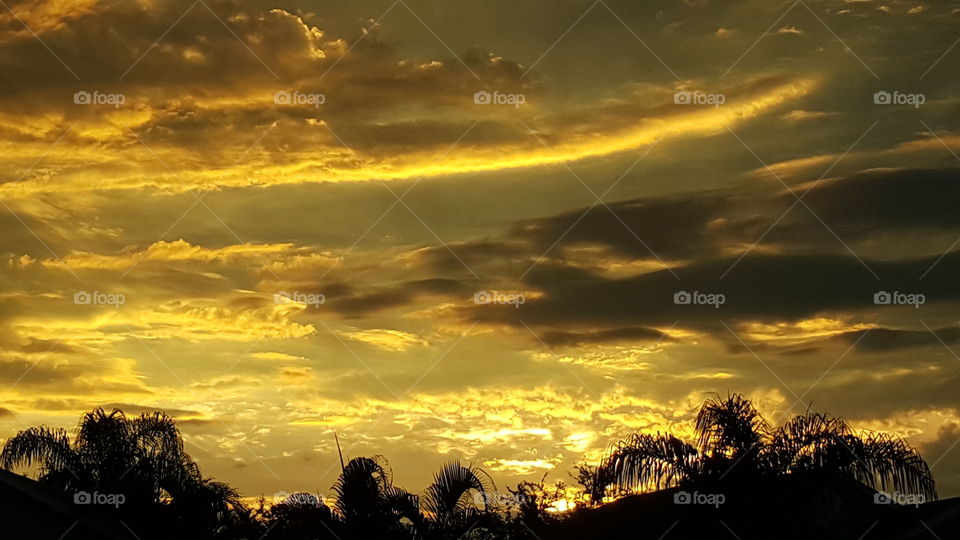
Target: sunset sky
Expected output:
[740,147]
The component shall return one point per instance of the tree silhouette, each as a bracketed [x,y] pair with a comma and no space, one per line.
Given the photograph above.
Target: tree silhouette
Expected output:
[735,444]
[143,459]
[140,458]
[300,516]
[368,502]
[371,506]
[457,500]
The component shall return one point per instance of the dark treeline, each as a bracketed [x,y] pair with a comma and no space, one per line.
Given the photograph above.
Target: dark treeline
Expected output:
[134,471]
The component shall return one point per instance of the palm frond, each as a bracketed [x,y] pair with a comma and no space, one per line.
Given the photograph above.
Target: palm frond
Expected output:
[403,504]
[730,427]
[806,443]
[645,462]
[157,432]
[450,492]
[887,462]
[142,457]
[817,442]
[47,448]
[361,486]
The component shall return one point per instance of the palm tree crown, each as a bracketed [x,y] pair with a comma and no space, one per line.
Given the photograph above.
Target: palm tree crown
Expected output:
[735,442]
[142,458]
[458,496]
[370,505]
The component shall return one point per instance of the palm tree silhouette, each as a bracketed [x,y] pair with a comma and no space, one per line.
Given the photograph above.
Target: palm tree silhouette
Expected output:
[141,458]
[300,516]
[370,506]
[458,498]
[735,444]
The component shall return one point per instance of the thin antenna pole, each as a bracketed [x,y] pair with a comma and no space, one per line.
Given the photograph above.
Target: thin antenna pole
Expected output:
[342,467]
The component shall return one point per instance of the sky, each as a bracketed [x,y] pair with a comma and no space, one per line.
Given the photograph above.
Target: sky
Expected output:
[469,230]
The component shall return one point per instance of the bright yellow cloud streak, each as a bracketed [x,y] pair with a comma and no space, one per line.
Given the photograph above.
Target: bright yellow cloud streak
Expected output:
[309,153]
[698,121]
[175,251]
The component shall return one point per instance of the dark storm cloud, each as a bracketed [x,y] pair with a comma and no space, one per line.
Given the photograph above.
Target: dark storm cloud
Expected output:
[784,282]
[704,225]
[215,70]
[674,227]
[761,287]
[437,286]
[479,254]
[869,395]
[359,301]
[366,303]
[889,339]
[614,335]
[890,199]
